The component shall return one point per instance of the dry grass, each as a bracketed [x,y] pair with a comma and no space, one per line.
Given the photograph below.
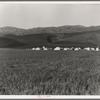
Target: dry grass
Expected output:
[49,72]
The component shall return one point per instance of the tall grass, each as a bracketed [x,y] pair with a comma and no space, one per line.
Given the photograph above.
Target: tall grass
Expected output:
[25,72]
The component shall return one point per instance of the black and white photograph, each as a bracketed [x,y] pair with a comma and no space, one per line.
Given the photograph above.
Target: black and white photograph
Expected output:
[49,48]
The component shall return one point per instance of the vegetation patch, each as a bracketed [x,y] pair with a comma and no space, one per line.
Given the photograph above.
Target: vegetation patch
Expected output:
[49,72]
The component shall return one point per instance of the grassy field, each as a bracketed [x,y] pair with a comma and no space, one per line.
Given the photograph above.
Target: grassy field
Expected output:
[24,72]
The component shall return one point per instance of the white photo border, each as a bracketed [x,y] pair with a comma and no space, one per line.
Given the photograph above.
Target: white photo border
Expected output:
[80,97]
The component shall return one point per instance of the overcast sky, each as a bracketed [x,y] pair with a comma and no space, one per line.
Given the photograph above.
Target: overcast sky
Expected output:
[45,15]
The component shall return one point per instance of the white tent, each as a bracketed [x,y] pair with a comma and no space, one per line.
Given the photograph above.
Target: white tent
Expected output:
[44,48]
[33,48]
[97,49]
[76,49]
[93,49]
[38,48]
[88,48]
[65,49]
[57,48]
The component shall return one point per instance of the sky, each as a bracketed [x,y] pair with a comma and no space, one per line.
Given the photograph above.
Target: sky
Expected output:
[47,15]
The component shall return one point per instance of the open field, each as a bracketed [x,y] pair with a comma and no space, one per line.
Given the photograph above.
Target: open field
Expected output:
[49,72]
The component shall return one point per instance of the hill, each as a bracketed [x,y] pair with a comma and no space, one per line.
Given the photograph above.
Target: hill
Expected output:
[61,29]
[39,30]
[64,36]
[11,30]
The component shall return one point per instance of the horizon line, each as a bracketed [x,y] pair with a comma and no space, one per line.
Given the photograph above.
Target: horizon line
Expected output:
[49,26]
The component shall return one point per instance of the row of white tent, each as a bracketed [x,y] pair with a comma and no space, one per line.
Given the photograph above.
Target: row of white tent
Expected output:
[60,48]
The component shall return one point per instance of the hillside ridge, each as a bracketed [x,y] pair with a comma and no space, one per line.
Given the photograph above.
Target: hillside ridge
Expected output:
[64,36]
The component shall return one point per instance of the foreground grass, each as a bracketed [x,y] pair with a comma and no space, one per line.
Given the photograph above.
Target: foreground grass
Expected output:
[25,72]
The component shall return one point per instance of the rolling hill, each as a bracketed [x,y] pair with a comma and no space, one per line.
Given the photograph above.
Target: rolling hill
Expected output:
[76,36]
[11,30]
